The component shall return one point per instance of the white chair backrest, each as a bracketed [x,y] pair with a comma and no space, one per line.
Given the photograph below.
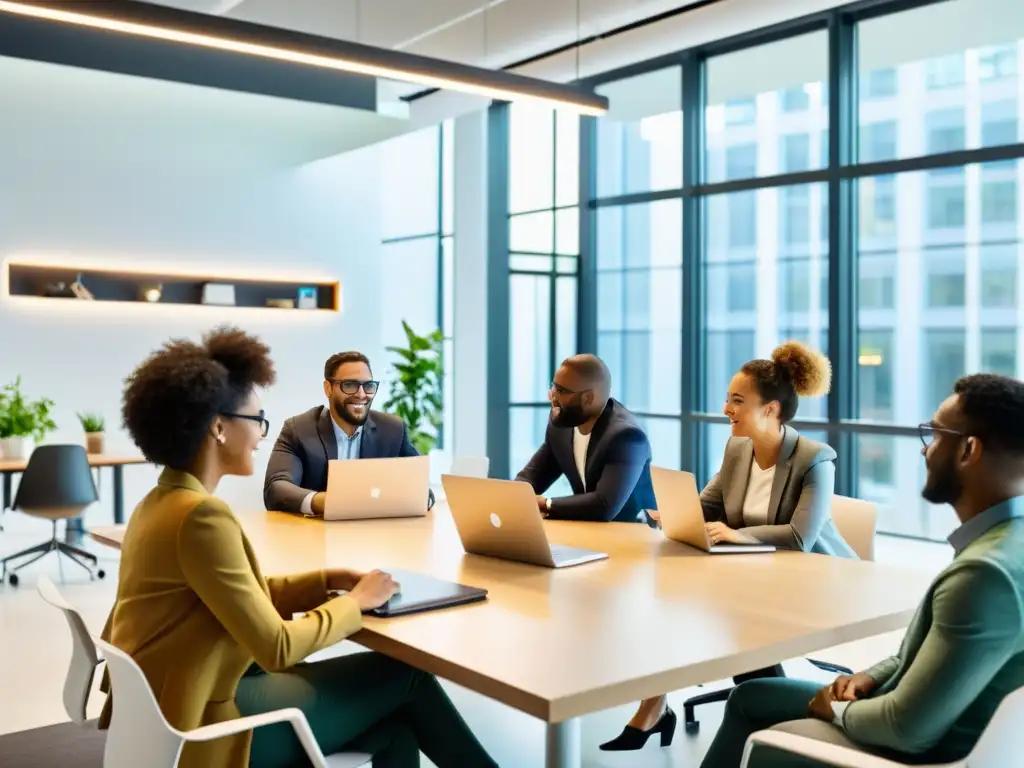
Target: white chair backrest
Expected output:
[1004,736]
[856,519]
[139,734]
[471,466]
[84,656]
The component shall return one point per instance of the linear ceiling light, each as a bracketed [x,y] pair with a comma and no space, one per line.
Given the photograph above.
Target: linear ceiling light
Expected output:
[173,25]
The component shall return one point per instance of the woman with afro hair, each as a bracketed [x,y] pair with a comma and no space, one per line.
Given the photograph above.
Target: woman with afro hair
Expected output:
[214,637]
[774,487]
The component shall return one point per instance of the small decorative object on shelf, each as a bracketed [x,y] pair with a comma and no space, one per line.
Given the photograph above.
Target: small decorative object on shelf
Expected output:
[307,297]
[281,303]
[93,424]
[151,292]
[58,291]
[79,289]
[219,294]
[21,419]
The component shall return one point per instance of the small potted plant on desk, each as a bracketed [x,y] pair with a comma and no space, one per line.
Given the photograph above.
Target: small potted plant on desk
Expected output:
[93,425]
[21,419]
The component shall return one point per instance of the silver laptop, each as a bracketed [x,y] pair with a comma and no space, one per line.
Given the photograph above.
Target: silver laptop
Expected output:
[499,518]
[682,518]
[360,489]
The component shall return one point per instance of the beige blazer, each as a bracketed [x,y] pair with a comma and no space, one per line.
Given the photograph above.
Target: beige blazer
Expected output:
[800,508]
[194,611]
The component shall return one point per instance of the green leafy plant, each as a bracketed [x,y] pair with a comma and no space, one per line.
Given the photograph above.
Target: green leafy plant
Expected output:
[91,422]
[20,417]
[417,393]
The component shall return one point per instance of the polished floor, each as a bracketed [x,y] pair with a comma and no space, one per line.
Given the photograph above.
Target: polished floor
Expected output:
[36,649]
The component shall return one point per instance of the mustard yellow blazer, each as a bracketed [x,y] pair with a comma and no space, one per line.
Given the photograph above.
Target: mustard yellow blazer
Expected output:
[194,612]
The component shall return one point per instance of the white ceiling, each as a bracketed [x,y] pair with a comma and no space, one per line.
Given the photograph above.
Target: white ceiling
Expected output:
[125,120]
[486,33]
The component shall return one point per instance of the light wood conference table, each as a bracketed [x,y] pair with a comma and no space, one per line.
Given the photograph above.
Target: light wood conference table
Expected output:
[656,616]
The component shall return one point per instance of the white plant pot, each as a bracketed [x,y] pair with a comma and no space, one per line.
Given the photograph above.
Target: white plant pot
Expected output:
[13,448]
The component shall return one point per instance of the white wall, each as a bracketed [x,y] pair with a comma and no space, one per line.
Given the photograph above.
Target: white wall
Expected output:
[65,201]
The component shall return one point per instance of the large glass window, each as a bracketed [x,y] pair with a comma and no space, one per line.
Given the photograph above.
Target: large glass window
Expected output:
[769,291]
[767,136]
[639,262]
[543,230]
[930,251]
[939,249]
[640,140]
[417,219]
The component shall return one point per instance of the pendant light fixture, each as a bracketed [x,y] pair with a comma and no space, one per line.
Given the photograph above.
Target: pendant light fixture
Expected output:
[172,25]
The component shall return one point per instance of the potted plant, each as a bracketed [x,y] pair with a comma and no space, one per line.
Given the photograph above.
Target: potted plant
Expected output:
[21,418]
[93,425]
[417,393]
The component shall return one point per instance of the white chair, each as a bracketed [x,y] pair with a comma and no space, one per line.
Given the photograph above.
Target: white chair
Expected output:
[85,657]
[856,521]
[1002,739]
[471,466]
[140,735]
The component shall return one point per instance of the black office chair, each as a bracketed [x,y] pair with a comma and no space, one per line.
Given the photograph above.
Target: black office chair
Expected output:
[57,485]
[692,725]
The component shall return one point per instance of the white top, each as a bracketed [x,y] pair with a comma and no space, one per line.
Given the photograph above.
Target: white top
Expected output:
[580,443]
[759,494]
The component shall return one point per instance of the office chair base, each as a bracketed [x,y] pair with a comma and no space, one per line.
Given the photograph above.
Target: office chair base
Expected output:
[690,723]
[87,560]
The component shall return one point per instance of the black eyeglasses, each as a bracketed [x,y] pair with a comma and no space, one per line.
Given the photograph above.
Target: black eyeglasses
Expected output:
[927,432]
[259,418]
[566,391]
[351,386]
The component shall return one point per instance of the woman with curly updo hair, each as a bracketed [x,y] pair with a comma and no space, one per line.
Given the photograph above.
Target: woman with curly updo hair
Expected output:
[195,612]
[775,486]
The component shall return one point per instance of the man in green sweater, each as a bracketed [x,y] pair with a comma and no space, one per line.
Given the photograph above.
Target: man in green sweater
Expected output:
[964,650]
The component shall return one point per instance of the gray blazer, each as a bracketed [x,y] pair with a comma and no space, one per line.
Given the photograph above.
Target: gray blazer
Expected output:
[800,509]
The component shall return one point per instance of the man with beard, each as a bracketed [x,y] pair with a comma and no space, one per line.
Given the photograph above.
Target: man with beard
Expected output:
[296,479]
[597,444]
[964,650]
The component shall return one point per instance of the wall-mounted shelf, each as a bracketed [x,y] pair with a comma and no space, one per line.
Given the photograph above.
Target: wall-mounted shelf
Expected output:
[109,285]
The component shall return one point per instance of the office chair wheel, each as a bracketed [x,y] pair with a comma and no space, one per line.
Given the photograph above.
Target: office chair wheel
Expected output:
[12,579]
[690,722]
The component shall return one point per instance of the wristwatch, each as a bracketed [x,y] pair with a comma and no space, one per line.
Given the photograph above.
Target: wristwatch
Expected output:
[547,505]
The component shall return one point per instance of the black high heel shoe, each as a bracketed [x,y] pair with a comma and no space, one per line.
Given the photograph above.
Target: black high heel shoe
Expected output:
[633,738]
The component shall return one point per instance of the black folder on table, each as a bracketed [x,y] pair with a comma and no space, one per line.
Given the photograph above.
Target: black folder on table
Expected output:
[425,593]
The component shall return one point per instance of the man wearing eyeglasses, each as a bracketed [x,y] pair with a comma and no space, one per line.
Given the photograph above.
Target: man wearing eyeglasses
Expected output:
[964,650]
[346,428]
[597,444]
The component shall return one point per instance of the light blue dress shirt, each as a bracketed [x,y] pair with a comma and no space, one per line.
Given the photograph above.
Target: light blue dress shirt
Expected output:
[348,448]
[981,524]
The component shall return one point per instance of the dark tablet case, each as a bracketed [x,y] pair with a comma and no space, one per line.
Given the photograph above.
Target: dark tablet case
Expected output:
[425,593]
